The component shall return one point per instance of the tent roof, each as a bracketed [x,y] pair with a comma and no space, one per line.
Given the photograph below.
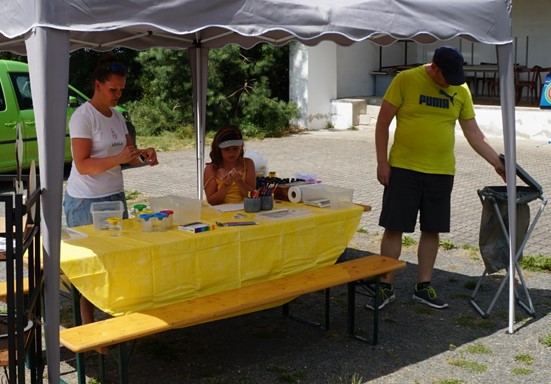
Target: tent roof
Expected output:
[141,24]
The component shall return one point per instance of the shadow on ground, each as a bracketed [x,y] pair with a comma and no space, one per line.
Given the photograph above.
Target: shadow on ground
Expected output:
[266,347]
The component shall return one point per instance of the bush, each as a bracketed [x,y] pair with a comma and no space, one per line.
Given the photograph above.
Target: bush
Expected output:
[270,115]
[153,117]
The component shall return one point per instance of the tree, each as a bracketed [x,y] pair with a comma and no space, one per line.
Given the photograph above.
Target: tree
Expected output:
[83,62]
[245,87]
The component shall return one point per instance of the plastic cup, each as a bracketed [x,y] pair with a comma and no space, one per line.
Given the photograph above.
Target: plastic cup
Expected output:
[147,222]
[251,204]
[267,203]
[159,224]
[138,210]
[168,220]
[115,226]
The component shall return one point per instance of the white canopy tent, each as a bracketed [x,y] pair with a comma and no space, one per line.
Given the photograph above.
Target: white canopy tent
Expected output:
[47,30]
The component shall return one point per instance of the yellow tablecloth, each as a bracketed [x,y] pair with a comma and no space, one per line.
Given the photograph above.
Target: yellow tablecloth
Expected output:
[141,270]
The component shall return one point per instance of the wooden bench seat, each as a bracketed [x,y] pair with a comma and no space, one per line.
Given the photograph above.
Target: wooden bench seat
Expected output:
[4,288]
[102,334]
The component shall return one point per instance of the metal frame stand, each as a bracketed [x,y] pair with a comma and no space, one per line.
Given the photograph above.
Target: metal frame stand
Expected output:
[527,306]
[23,238]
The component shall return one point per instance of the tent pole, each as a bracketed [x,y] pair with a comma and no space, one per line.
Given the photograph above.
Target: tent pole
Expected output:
[199,70]
[48,57]
[507,95]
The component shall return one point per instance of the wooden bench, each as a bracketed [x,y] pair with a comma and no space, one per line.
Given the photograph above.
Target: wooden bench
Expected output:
[4,288]
[100,335]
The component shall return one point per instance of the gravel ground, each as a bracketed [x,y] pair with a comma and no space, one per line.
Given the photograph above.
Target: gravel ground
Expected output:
[417,344]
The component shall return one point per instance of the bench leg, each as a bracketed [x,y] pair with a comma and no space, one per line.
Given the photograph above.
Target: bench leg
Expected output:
[81,369]
[352,309]
[327,303]
[287,313]
[123,363]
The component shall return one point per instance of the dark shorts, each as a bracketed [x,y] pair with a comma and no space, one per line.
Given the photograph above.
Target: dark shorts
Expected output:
[410,192]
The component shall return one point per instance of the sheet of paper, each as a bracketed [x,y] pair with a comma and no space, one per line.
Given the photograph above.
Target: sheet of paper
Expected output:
[229,207]
[279,214]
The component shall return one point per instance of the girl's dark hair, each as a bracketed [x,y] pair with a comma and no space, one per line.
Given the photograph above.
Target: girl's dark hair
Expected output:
[216,152]
[108,65]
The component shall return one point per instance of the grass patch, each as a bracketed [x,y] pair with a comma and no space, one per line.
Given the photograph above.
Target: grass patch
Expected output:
[478,349]
[463,296]
[521,371]
[546,340]
[474,322]
[361,230]
[287,375]
[470,366]
[357,379]
[423,309]
[233,380]
[471,284]
[135,197]
[470,247]
[449,381]
[168,141]
[524,358]
[447,245]
[408,240]
[536,263]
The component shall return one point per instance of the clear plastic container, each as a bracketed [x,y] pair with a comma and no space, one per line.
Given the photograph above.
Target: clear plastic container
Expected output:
[137,210]
[168,221]
[103,210]
[147,222]
[158,219]
[115,226]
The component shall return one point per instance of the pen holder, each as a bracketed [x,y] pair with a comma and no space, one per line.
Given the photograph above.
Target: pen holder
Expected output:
[252,204]
[267,203]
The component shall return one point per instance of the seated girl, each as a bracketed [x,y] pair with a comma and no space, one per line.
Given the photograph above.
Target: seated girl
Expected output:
[230,176]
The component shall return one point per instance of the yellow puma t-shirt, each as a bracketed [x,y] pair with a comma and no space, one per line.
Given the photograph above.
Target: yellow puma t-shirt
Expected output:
[425,121]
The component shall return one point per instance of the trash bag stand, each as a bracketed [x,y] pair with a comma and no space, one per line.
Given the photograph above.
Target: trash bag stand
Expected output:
[524,195]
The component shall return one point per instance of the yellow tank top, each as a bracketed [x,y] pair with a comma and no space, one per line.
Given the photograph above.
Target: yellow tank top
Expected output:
[233,194]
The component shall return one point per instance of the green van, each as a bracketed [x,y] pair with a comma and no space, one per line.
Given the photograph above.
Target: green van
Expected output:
[16,107]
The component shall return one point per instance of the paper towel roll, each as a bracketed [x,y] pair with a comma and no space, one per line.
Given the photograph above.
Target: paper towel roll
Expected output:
[294,194]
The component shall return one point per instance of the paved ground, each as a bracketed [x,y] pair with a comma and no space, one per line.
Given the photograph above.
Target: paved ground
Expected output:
[264,348]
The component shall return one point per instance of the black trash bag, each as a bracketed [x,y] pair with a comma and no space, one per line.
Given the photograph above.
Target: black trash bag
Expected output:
[494,246]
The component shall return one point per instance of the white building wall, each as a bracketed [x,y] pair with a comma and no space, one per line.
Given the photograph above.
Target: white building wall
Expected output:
[353,66]
[298,81]
[531,32]
[313,74]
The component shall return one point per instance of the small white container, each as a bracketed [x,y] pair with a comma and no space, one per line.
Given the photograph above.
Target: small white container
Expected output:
[147,222]
[115,226]
[167,221]
[338,197]
[101,211]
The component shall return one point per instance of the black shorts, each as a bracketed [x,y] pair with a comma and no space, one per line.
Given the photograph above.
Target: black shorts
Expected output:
[410,192]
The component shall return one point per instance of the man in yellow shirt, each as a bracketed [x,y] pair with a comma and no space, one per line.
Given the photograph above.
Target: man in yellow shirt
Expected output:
[418,172]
